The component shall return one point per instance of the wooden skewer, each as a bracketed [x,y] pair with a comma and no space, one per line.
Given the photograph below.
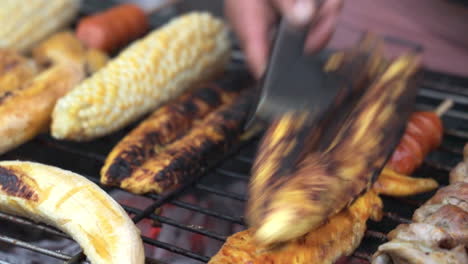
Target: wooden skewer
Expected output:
[158,8]
[444,107]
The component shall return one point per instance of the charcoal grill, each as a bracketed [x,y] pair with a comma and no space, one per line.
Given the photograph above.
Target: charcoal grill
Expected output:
[87,159]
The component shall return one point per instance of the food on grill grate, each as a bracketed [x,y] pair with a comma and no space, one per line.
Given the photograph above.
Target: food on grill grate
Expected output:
[25,24]
[73,204]
[339,236]
[336,238]
[113,28]
[187,50]
[26,107]
[15,70]
[423,134]
[163,127]
[193,152]
[396,184]
[460,172]
[284,205]
[64,47]
[439,232]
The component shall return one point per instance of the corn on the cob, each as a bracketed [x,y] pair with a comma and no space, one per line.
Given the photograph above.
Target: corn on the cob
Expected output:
[24,23]
[333,173]
[149,72]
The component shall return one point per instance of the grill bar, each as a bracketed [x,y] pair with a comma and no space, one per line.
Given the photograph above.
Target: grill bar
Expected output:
[34,248]
[164,220]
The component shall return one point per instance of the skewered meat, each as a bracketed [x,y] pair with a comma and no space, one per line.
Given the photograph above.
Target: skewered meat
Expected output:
[73,204]
[164,126]
[189,49]
[284,205]
[192,153]
[439,233]
[113,28]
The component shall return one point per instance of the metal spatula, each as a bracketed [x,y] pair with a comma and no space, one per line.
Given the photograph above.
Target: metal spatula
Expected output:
[293,80]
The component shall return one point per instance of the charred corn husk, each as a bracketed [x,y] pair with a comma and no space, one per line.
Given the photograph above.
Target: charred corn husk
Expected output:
[25,23]
[285,205]
[151,71]
[164,126]
[192,153]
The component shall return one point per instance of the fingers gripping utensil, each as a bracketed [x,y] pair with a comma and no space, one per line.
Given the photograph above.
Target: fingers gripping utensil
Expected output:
[294,81]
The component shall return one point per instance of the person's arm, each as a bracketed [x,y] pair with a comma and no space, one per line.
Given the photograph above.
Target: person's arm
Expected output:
[253,22]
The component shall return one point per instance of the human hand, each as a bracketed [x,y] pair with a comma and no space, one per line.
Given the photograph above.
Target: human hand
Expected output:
[253,21]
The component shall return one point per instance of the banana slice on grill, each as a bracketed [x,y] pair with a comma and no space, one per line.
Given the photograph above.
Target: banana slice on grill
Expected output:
[73,204]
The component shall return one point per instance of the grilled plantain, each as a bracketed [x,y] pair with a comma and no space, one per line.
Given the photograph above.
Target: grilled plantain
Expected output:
[395,184]
[163,127]
[190,154]
[328,174]
[15,70]
[26,112]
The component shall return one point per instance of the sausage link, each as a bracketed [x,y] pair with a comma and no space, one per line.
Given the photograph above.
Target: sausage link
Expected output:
[423,134]
[113,28]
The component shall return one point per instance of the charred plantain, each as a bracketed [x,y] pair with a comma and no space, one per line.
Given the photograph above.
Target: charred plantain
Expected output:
[164,126]
[331,171]
[193,152]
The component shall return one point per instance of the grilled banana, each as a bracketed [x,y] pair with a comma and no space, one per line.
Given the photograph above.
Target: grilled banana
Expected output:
[287,204]
[191,154]
[163,127]
[73,204]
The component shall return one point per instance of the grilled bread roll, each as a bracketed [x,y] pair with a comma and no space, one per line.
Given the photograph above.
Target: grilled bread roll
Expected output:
[15,70]
[73,204]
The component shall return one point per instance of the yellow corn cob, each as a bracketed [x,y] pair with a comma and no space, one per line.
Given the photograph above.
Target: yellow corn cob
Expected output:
[24,23]
[151,71]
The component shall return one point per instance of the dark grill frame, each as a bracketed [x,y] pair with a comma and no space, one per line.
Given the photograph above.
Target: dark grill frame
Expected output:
[435,87]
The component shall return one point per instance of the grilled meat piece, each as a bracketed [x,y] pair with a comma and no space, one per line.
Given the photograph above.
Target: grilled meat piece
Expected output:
[193,152]
[287,204]
[459,173]
[395,184]
[404,252]
[337,237]
[163,127]
[439,233]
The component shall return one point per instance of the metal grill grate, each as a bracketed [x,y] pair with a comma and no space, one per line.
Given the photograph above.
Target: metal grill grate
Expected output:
[87,159]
